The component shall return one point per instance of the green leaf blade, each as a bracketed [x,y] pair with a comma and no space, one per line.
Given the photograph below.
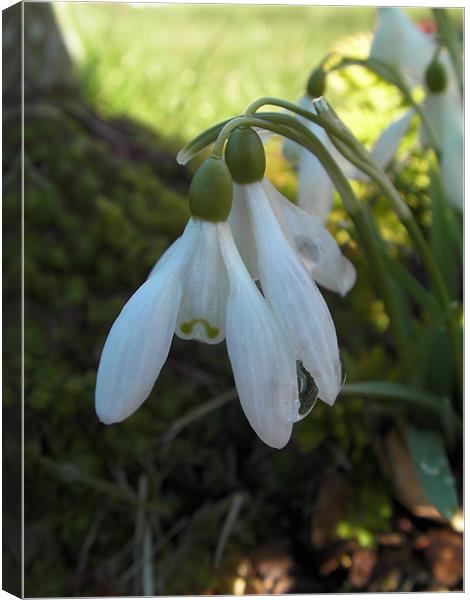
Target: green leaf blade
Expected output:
[432,468]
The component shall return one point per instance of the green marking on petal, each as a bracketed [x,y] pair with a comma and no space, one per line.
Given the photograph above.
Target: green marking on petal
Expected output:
[212,332]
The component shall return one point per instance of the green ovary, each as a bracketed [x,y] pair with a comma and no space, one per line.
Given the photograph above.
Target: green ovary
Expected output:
[212,332]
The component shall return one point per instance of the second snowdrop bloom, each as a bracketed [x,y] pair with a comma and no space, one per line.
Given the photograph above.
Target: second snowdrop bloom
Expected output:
[443,107]
[272,240]
[200,289]
[400,43]
[315,190]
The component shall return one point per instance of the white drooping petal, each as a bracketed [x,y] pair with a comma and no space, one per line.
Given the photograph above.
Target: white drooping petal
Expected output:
[315,190]
[386,145]
[262,359]
[294,297]
[314,244]
[239,220]
[291,151]
[201,314]
[400,43]
[140,338]
[435,108]
[452,160]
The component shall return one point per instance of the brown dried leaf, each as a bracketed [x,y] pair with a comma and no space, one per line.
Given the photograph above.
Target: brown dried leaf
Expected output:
[329,508]
[363,563]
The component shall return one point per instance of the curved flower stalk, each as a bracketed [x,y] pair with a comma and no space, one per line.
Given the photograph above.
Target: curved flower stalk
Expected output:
[200,289]
[315,190]
[400,43]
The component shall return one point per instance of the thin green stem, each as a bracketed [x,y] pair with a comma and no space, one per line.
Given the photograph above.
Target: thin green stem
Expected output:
[295,108]
[226,130]
[199,143]
[271,100]
[391,75]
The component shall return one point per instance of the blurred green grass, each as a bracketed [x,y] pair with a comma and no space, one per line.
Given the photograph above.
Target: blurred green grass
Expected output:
[180,68]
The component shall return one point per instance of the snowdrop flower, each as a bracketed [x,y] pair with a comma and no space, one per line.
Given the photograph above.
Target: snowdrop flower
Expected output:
[272,236]
[400,43]
[452,166]
[315,190]
[443,107]
[200,289]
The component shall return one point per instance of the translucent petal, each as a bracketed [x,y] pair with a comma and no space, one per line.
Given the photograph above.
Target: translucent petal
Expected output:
[399,42]
[435,108]
[262,359]
[315,189]
[306,102]
[452,160]
[315,245]
[239,220]
[139,341]
[291,151]
[201,315]
[385,147]
[295,299]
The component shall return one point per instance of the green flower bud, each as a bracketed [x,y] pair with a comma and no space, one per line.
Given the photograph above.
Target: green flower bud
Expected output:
[211,191]
[316,83]
[436,77]
[244,155]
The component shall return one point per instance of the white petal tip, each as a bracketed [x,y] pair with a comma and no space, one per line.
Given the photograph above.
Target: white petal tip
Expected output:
[279,446]
[348,279]
[329,399]
[107,417]
[277,441]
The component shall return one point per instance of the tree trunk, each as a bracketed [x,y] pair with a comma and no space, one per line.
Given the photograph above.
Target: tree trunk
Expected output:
[48,67]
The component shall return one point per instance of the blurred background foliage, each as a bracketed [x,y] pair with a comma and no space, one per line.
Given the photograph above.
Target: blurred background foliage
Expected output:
[182,498]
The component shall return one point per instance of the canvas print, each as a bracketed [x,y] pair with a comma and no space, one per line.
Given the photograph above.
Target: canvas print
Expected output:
[233,299]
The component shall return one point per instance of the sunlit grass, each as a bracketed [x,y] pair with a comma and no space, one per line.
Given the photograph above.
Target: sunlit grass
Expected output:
[180,68]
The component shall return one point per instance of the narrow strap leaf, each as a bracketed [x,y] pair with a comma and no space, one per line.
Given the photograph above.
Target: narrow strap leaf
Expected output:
[432,468]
